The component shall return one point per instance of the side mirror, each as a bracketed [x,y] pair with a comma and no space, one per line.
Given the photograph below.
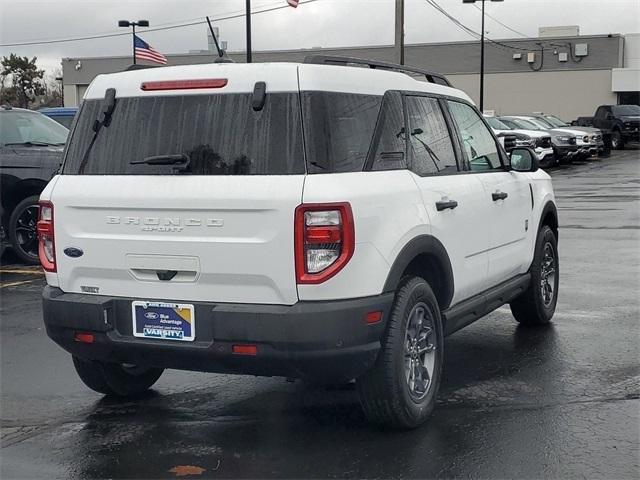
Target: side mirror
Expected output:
[610,116]
[523,160]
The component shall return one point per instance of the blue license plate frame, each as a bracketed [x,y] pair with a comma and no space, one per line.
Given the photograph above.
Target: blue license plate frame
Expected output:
[163,321]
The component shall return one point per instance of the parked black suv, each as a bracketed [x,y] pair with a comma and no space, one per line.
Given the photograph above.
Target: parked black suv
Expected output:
[31,147]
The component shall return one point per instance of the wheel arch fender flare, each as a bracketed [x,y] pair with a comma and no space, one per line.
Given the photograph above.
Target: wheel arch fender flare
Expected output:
[424,246]
[550,211]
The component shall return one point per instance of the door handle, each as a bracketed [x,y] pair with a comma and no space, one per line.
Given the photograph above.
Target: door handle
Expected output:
[446,204]
[499,196]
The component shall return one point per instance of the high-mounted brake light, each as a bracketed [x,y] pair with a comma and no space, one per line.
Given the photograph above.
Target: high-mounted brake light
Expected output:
[324,240]
[184,84]
[46,237]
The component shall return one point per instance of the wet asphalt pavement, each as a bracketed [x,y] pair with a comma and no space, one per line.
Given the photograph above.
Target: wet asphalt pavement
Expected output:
[561,401]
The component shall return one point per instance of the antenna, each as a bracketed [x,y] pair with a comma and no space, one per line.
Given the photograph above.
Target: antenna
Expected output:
[222,58]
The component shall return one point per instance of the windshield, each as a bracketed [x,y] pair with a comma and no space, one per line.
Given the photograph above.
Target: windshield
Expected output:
[626,110]
[64,120]
[30,128]
[525,124]
[190,135]
[543,122]
[539,124]
[497,124]
[555,121]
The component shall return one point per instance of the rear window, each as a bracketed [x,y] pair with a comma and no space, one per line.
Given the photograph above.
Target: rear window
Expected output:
[218,134]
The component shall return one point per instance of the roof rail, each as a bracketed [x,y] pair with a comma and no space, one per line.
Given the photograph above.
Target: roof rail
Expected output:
[345,61]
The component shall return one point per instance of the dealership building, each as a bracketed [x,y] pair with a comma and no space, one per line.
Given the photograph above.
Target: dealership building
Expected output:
[560,72]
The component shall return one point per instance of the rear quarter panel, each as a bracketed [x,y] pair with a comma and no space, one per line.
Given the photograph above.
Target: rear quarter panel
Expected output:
[388,211]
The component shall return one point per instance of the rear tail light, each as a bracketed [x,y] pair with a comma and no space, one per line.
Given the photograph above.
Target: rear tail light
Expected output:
[46,237]
[324,240]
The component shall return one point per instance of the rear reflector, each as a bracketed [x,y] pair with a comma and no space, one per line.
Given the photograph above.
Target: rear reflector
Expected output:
[184,84]
[84,337]
[373,317]
[245,349]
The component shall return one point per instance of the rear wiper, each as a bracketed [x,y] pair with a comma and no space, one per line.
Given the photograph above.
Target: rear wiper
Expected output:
[163,160]
[35,144]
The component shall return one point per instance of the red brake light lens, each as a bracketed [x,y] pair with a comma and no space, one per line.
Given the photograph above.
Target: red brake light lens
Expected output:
[324,240]
[46,237]
[184,84]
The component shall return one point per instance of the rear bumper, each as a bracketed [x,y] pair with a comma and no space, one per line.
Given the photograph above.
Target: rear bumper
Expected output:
[322,341]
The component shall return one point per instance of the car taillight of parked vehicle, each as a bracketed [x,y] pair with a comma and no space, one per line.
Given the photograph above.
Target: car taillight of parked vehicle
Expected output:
[324,240]
[46,237]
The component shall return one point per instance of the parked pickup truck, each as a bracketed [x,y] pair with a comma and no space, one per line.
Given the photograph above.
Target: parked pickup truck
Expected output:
[621,122]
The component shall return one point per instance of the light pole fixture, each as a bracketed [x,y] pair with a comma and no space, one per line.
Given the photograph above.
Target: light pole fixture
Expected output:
[133,25]
[481,51]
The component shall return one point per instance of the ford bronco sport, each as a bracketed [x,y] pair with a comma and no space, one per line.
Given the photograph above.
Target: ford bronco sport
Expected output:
[323,220]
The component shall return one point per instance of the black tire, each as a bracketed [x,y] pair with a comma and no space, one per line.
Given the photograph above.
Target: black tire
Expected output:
[115,379]
[22,228]
[533,307]
[617,142]
[384,391]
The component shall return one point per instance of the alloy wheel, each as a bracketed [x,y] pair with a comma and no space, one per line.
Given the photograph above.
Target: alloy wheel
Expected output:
[419,351]
[548,275]
[25,231]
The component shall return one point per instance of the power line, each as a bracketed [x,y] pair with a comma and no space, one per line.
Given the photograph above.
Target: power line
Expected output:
[472,32]
[157,29]
[503,24]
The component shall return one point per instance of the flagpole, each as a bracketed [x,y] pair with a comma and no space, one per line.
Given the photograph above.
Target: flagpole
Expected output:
[248,15]
[134,42]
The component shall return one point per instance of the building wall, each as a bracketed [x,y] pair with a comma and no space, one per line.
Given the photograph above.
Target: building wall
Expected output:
[566,94]
[568,89]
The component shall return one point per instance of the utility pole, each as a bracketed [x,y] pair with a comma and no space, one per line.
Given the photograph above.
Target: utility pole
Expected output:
[481,52]
[248,17]
[482,63]
[399,33]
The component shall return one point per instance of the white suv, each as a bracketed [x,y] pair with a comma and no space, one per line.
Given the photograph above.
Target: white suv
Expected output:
[319,220]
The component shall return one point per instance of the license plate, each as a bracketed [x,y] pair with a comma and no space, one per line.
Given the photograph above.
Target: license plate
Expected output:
[163,321]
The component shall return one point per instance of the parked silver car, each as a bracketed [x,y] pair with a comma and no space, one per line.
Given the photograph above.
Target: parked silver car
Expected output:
[596,139]
[565,144]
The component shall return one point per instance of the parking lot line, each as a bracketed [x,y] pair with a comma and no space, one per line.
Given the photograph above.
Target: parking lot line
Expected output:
[14,284]
[22,271]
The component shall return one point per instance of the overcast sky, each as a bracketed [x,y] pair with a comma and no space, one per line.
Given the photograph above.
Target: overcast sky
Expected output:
[326,23]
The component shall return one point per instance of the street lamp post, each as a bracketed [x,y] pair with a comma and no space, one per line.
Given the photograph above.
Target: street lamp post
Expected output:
[481,51]
[133,25]
[248,32]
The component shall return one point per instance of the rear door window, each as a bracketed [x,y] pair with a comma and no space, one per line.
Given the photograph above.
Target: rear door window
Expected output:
[429,139]
[218,134]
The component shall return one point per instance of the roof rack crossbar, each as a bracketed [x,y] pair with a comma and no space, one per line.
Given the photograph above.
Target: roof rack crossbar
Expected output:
[431,77]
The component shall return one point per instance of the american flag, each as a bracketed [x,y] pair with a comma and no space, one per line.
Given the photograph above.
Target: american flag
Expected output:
[144,51]
[293,3]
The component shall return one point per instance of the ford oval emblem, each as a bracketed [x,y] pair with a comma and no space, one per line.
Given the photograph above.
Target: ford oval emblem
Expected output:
[151,315]
[73,252]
